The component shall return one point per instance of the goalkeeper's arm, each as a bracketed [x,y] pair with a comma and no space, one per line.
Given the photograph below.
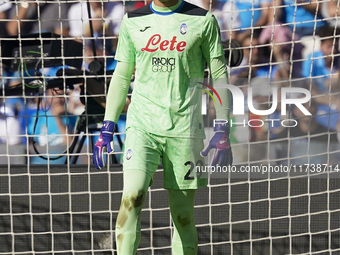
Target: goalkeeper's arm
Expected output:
[220,141]
[119,87]
[219,75]
[115,101]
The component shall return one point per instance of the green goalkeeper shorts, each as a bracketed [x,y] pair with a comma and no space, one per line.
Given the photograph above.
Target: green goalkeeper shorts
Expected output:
[180,157]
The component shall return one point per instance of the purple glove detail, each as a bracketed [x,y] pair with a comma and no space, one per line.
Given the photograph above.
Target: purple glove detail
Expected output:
[104,143]
[220,142]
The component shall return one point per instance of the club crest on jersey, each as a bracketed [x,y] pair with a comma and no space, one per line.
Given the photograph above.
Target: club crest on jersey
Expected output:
[128,154]
[183,29]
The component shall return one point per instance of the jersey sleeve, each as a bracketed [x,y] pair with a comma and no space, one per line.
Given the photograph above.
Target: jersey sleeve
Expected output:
[211,40]
[219,74]
[125,49]
[119,86]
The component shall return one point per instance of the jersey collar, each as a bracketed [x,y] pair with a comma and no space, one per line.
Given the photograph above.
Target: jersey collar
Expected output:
[167,10]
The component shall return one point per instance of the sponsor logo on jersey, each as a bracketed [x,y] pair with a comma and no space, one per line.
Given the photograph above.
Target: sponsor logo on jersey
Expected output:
[128,154]
[163,64]
[156,43]
[142,30]
[183,29]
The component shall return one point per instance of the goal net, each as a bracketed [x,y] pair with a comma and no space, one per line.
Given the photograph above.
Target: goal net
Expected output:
[281,196]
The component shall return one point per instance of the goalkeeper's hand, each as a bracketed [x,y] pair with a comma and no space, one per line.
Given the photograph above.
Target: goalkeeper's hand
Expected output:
[220,142]
[104,143]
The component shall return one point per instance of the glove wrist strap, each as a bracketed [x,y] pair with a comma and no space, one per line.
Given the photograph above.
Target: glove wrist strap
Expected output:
[222,127]
[108,127]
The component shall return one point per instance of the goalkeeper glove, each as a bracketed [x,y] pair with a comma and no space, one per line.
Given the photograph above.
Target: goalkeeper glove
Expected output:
[220,142]
[104,143]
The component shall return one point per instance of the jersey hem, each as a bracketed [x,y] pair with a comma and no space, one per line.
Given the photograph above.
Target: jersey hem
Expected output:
[201,136]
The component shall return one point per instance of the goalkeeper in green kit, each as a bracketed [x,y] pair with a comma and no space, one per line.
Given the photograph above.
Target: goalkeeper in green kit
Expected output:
[169,42]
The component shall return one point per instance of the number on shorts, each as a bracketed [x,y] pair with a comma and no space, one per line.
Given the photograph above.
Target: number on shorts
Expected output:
[192,167]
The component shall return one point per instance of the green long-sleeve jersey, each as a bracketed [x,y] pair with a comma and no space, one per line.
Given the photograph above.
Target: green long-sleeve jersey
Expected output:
[170,48]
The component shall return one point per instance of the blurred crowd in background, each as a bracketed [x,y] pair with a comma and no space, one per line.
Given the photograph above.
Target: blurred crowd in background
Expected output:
[286,43]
